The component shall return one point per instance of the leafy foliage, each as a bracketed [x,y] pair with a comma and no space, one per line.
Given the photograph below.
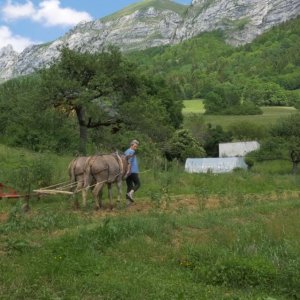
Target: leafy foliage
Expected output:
[99,90]
[28,121]
[246,130]
[265,72]
[182,145]
[289,131]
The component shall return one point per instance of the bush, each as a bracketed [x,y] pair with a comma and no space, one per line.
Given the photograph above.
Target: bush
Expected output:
[249,161]
[271,149]
[245,130]
[247,108]
[182,145]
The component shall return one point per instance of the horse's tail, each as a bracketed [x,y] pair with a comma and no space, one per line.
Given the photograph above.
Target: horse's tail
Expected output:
[87,172]
[71,170]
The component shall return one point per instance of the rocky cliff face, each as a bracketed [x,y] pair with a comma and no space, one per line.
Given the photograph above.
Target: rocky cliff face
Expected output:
[8,58]
[242,20]
[153,23]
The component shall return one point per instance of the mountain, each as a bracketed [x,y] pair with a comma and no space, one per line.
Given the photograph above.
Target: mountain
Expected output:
[8,59]
[152,23]
[242,20]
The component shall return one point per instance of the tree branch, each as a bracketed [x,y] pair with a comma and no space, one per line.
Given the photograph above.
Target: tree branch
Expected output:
[100,123]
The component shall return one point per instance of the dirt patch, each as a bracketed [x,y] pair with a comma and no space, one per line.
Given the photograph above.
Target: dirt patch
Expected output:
[212,203]
[190,203]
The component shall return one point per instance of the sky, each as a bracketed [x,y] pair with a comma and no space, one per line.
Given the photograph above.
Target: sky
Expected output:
[27,22]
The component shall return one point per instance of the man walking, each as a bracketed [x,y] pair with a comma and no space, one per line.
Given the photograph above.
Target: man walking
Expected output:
[132,179]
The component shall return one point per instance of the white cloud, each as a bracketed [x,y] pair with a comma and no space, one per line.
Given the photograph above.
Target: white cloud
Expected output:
[17,42]
[18,11]
[48,13]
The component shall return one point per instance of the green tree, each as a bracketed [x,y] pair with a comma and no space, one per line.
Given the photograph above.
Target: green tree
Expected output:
[92,86]
[27,121]
[215,136]
[289,130]
[182,145]
[224,97]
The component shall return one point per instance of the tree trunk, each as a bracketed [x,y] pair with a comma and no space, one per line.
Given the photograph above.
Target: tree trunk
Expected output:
[295,167]
[295,156]
[83,134]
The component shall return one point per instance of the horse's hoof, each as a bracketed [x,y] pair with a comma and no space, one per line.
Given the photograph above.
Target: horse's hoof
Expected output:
[25,207]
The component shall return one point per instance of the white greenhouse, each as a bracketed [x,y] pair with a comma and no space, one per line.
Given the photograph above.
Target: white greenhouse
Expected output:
[214,165]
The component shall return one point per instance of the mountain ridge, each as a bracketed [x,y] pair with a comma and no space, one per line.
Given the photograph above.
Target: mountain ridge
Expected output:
[152,23]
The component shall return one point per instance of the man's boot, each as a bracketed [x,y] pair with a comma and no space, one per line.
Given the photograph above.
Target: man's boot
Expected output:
[129,195]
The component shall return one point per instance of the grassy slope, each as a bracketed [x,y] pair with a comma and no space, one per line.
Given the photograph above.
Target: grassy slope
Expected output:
[270,114]
[144,5]
[182,239]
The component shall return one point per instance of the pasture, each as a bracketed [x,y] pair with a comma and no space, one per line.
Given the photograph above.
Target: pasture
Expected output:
[270,115]
[189,236]
[193,106]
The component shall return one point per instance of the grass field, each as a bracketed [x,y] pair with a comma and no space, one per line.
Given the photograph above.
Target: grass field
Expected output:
[189,236]
[193,106]
[270,114]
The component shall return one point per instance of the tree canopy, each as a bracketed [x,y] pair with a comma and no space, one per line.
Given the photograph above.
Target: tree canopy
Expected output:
[98,90]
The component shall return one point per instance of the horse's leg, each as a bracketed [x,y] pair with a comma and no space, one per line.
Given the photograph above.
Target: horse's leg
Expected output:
[100,197]
[84,192]
[75,196]
[109,186]
[78,188]
[97,189]
[119,185]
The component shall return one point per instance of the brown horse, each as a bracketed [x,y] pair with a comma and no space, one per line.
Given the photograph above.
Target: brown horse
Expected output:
[76,174]
[109,169]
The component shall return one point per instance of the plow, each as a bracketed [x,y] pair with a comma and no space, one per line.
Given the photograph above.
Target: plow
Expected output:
[8,192]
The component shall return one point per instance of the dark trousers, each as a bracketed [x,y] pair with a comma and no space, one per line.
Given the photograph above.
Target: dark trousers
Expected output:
[133,182]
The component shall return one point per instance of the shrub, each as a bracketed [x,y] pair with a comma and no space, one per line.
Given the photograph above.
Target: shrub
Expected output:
[271,149]
[245,130]
[182,145]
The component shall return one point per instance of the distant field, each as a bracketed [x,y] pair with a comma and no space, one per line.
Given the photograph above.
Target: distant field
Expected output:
[270,114]
[193,106]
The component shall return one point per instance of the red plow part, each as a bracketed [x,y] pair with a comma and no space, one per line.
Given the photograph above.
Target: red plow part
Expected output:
[8,192]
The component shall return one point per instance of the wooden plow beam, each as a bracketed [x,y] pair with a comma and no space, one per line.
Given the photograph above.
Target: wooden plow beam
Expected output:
[60,188]
[52,192]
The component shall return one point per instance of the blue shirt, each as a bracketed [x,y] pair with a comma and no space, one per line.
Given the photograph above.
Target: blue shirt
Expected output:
[132,160]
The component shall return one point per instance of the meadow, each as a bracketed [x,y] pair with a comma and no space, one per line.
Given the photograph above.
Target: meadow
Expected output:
[188,236]
[270,115]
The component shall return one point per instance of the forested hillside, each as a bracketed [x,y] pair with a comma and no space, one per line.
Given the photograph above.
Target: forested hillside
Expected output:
[232,80]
